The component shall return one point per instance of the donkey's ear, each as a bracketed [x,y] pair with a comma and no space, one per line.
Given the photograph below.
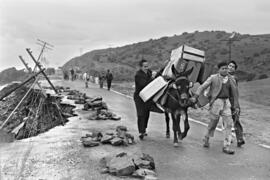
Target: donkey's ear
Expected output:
[188,72]
[174,71]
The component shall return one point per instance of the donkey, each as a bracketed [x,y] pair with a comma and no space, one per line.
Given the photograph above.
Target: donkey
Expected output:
[177,103]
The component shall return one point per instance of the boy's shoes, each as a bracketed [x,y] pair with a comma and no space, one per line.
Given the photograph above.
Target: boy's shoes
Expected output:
[240,143]
[206,142]
[227,150]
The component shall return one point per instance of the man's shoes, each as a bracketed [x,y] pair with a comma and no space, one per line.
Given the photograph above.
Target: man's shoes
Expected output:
[206,142]
[240,143]
[227,150]
[145,134]
[141,136]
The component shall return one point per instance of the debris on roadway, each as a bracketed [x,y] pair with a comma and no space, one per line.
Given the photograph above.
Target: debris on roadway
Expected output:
[138,165]
[118,137]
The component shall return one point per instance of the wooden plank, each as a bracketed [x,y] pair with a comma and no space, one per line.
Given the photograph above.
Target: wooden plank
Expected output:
[193,50]
[193,58]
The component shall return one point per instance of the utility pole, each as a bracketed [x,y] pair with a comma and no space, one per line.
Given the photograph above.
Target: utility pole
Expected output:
[25,64]
[230,41]
[45,45]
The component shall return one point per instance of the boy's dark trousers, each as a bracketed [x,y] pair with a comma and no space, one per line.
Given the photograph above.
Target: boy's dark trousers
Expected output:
[238,127]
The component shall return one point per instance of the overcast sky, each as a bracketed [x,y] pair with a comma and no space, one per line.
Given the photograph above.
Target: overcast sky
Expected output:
[78,26]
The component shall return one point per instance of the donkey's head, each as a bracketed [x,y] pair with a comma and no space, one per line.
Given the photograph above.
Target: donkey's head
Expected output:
[182,85]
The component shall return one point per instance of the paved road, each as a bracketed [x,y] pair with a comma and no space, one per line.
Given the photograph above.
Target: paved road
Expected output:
[58,154]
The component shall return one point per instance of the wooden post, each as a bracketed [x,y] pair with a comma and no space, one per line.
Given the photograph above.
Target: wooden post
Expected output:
[39,66]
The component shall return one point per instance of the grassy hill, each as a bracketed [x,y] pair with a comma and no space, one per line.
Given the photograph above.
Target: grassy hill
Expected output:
[257,91]
[12,74]
[251,52]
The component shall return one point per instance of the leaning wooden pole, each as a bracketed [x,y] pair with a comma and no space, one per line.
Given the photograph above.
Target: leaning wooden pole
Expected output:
[23,83]
[39,66]
[30,71]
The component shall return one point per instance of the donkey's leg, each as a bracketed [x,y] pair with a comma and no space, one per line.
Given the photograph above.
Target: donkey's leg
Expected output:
[167,117]
[179,117]
[184,134]
[176,129]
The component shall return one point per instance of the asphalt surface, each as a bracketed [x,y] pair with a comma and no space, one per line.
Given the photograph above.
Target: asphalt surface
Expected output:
[58,153]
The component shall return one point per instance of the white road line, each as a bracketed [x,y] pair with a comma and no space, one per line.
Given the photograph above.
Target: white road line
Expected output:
[193,120]
[122,94]
[202,123]
[265,146]
[196,121]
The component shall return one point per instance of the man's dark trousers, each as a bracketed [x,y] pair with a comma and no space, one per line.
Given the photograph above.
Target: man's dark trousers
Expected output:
[143,113]
[109,82]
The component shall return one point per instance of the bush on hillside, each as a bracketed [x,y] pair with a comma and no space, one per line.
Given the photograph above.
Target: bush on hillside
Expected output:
[184,33]
[190,36]
[224,51]
[251,76]
[219,35]
[263,76]
[164,38]
[265,51]
[256,55]
[146,51]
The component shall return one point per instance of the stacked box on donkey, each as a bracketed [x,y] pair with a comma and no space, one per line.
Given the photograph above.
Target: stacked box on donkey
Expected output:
[183,58]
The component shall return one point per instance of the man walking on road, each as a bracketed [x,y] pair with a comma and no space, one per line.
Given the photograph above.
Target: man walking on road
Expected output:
[109,78]
[222,88]
[142,78]
[232,66]
[72,74]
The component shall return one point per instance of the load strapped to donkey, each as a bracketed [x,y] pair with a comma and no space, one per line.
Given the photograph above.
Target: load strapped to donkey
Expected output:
[183,58]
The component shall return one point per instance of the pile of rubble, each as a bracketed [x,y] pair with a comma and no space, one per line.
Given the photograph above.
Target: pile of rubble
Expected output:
[138,165]
[103,114]
[116,138]
[38,112]
[99,109]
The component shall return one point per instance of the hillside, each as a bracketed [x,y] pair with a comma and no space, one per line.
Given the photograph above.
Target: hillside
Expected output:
[12,74]
[257,91]
[251,52]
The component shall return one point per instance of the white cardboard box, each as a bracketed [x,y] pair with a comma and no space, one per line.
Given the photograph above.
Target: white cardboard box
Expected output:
[152,88]
[185,57]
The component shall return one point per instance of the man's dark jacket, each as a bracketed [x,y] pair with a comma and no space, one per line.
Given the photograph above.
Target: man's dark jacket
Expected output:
[141,80]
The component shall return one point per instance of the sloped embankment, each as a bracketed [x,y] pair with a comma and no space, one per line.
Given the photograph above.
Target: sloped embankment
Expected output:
[37,113]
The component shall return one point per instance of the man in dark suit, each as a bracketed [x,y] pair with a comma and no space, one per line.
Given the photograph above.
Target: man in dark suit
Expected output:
[142,78]
[109,78]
